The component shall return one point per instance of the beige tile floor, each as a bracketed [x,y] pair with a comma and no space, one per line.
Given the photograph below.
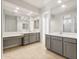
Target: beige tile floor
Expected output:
[32,51]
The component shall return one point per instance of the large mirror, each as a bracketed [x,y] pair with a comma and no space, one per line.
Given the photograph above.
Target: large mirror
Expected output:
[70,24]
[10,23]
[23,23]
[65,22]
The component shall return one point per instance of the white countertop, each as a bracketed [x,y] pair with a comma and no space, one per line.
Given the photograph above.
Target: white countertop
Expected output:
[69,35]
[27,32]
[10,34]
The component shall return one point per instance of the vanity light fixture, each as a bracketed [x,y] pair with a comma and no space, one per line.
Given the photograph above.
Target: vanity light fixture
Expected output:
[30,13]
[63,6]
[59,1]
[17,8]
[65,21]
[15,11]
[69,21]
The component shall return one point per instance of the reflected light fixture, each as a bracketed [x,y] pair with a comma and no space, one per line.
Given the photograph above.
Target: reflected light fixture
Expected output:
[17,8]
[30,13]
[15,11]
[63,6]
[59,1]
[69,21]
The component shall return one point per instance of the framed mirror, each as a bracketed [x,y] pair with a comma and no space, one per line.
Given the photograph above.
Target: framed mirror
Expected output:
[25,26]
[70,24]
[36,24]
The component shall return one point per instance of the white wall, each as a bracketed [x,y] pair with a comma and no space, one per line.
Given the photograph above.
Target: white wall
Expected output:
[3,21]
[55,24]
[45,17]
[43,29]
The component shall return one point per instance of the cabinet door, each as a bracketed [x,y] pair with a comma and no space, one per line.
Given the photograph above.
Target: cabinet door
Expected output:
[26,39]
[70,50]
[47,41]
[56,45]
[33,38]
[4,43]
[11,42]
[38,37]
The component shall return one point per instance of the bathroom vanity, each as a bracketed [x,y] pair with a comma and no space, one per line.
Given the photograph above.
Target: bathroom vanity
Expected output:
[29,38]
[63,44]
[12,39]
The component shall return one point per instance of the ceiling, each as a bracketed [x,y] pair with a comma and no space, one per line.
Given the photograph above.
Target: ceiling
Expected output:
[10,8]
[27,6]
[37,3]
[70,5]
[45,3]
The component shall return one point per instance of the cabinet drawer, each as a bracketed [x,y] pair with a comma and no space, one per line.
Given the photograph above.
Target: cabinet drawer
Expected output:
[47,36]
[26,34]
[56,38]
[32,34]
[71,40]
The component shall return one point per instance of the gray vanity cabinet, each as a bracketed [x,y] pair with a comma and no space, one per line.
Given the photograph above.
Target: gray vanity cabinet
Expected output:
[11,41]
[33,37]
[4,43]
[70,48]
[62,45]
[56,44]
[38,36]
[26,39]
[47,44]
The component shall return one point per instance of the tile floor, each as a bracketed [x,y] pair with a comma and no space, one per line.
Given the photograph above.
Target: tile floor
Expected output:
[32,51]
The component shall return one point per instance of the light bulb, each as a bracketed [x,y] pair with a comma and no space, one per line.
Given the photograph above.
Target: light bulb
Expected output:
[15,11]
[17,8]
[63,6]
[59,1]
